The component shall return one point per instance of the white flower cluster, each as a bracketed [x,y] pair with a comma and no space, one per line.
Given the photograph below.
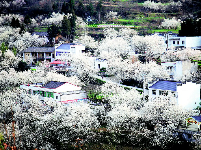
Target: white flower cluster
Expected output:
[111,15]
[181,55]
[160,6]
[20,42]
[171,23]
[55,18]
[6,19]
[18,2]
[4,4]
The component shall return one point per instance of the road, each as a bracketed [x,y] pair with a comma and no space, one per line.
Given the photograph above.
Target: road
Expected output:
[114,80]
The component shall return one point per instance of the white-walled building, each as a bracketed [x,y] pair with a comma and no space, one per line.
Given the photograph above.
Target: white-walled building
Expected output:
[177,69]
[98,63]
[65,50]
[184,42]
[186,94]
[174,41]
[60,91]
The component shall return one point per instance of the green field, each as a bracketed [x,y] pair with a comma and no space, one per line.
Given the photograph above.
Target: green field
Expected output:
[40,29]
[165,30]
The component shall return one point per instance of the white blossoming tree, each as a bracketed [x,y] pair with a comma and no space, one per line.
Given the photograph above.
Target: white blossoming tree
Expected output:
[171,23]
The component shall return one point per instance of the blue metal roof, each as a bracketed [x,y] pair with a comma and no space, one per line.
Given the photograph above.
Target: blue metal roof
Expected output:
[65,46]
[165,85]
[197,118]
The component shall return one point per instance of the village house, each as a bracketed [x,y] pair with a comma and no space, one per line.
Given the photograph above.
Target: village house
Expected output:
[59,52]
[67,49]
[177,69]
[173,41]
[34,54]
[187,95]
[63,92]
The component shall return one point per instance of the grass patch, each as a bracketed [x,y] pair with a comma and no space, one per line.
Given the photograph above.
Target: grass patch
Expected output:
[40,29]
[165,30]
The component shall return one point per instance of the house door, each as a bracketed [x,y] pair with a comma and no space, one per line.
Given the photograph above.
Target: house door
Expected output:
[98,66]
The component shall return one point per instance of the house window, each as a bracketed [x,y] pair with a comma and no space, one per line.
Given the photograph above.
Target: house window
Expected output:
[154,92]
[182,42]
[169,68]
[165,93]
[173,42]
[43,93]
[57,97]
[177,42]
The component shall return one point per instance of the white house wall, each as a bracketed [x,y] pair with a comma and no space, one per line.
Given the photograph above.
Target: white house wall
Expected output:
[176,42]
[103,64]
[193,41]
[73,97]
[189,95]
[187,42]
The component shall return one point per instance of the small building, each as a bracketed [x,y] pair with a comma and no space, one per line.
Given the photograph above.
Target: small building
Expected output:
[183,42]
[186,94]
[65,50]
[35,54]
[60,91]
[177,69]
[98,63]
[61,52]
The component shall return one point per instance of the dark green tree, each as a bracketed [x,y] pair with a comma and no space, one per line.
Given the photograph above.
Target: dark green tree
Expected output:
[53,31]
[80,11]
[73,26]
[55,7]
[90,9]
[66,27]
[72,6]
[190,27]
[15,23]
[66,8]
[27,19]
[22,66]
[99,8]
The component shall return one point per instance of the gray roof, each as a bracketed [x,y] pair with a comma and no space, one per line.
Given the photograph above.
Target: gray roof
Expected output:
[39,49]
[53,85]
[165,85]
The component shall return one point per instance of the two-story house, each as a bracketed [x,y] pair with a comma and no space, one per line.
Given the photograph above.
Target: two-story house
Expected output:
[64,51]
[187,95]
[35,54]
[61,52]
[178,69]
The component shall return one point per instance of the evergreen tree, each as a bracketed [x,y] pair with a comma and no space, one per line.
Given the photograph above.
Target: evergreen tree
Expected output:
[90,9]
[72,6]
[53,31]
[66,8]
[99,8]
[15,23]
[55,7]
[66,27]
[27,19]
[80,11]
[190,27]
[73,26]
